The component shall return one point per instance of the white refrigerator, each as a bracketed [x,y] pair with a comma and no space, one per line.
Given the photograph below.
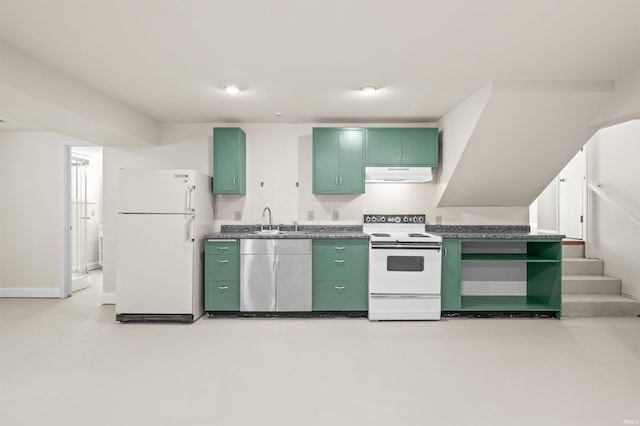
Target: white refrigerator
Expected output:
[163,217]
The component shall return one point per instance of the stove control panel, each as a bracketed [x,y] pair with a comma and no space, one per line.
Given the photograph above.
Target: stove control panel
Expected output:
[394,218]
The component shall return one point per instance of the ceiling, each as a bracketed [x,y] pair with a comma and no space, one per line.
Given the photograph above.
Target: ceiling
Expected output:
[170,59]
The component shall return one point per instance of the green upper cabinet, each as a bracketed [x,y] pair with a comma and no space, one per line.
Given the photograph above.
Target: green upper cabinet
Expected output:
[229,160]
[411,147]
[338,161]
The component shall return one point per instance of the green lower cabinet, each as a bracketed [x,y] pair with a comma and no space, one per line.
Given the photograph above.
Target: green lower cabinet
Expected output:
[340,296]
[340,275]
[221,276]
[222,296]
[450,291]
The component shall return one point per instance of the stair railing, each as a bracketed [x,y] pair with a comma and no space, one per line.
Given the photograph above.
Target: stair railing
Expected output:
[595,188]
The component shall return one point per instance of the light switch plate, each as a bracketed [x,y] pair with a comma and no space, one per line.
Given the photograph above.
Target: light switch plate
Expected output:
[336,215]
[438,220]
[310,215]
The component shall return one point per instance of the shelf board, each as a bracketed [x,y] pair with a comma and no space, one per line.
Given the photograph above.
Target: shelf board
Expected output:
[505,257]
[504,303]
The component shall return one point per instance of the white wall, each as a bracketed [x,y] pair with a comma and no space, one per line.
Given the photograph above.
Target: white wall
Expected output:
[31,196]
[613,163]
[278,155]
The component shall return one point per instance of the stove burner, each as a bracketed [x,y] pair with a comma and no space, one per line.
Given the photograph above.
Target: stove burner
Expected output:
[379,234]
[420,235]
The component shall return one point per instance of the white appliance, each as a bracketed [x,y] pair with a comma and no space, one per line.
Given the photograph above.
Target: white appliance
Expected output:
[405,266]
[398,174]
[163,217]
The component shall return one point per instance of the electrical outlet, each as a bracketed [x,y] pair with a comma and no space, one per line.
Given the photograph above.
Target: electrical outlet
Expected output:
[438,220]
[238,215]
[310,215]
[336,215]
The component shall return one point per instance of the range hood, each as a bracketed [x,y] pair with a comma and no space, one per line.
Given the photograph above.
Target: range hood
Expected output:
[398,174]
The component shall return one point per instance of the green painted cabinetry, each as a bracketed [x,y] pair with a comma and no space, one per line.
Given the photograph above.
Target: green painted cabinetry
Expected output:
[221,275]
[229,160]
[450,291]
[410,147]
[528,272]
[340,275]
[338,161]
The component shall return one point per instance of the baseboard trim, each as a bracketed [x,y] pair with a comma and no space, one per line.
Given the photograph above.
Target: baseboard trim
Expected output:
[33,292]
[108,298]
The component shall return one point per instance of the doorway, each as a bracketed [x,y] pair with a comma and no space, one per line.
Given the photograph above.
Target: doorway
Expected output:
[85,216]
[560,207]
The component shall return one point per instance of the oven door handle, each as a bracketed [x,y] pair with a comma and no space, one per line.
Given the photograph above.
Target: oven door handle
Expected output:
[405,247]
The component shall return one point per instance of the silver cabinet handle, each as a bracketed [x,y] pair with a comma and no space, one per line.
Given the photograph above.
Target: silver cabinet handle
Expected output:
[339,287]
[223,248]
[444,251]
[336,180]
[340,181]
[339,260]
[339,248]
[234,180]
[223,261]
[399,154]
[223,287]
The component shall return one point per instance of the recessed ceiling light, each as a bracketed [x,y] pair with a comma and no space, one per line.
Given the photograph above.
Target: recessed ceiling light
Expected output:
[231,89]
[279,114]
[369,89]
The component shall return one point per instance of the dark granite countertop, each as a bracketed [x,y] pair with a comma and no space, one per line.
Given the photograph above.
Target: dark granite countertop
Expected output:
[499,232]
[334,232]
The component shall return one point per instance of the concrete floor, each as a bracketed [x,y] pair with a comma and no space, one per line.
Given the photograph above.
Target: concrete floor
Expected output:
[67,362]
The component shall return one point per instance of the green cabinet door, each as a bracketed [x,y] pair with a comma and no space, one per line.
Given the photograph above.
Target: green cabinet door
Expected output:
[384,147]
[351,162]
[229,160]
[420,147]
[338,161]
[326,143]
[410,147]
[221,276]
[450,282]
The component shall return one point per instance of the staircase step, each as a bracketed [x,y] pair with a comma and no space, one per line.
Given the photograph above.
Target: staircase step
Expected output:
[572,248]
[599,305]
[590,284]
[582,266]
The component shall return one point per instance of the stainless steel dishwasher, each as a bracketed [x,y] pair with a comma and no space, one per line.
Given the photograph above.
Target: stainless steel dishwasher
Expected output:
[275,275]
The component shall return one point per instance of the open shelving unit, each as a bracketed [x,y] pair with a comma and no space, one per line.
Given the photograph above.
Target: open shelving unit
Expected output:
[506,276]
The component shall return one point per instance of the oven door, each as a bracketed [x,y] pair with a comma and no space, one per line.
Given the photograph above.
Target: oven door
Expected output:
[404,269]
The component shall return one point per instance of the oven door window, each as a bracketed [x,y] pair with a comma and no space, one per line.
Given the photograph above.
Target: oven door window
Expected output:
[405,263]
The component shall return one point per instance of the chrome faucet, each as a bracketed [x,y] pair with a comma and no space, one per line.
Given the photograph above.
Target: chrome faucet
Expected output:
[269,210]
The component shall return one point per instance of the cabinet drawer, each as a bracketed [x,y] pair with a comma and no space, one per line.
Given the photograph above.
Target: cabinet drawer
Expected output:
[340,246]
[222,295]
[221,267]
[340,296]
[339,267]
[221,247]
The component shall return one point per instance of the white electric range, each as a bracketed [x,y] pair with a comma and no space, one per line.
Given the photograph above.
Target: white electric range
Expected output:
[404,268]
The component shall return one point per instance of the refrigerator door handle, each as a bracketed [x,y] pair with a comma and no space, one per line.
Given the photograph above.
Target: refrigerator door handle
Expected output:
[190,190]
[190,236]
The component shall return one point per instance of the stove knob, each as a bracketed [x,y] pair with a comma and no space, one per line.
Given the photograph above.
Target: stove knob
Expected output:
[415,219]
[397,219]
[421,219]
[406,219]
[373,219]
[382,219]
